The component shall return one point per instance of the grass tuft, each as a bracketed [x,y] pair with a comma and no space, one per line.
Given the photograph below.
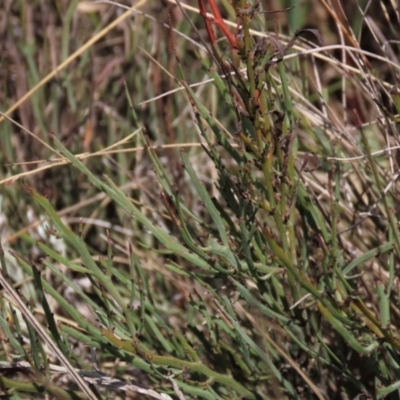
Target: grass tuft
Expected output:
[198,200]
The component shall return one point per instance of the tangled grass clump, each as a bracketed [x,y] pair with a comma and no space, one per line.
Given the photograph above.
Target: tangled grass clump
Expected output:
[209,218]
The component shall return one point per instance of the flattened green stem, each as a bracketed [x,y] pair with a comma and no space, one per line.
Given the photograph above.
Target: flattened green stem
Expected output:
[384,391]
[214,213]
[87,258]
[120,198]
[383,248]
[37,387]
[167,361]
[347,336]
[302,280]
[252,345]
[384,307]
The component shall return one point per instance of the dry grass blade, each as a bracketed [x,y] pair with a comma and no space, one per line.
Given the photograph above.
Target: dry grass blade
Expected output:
[72,57]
